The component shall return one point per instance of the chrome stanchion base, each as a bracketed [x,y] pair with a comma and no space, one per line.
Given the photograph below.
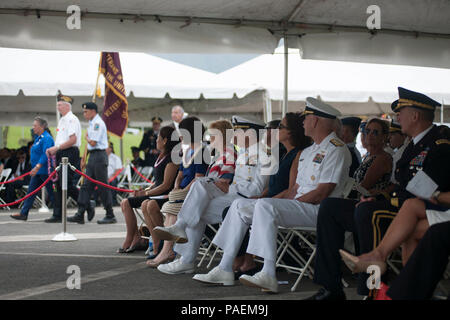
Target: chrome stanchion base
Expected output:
[64,236]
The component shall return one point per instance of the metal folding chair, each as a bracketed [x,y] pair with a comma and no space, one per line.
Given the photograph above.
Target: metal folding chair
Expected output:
[4,176]
[305,256]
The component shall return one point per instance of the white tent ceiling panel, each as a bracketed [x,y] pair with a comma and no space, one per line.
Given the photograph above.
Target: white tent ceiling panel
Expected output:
[142,36]
[382,48]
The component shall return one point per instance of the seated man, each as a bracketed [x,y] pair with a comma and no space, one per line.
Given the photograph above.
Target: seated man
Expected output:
[373,215]
[22,167]
[322,171]
[349,131]
[208,198]
[137,160]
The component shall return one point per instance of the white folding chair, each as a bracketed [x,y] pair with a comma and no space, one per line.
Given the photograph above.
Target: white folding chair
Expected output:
[4,176]
[205,252]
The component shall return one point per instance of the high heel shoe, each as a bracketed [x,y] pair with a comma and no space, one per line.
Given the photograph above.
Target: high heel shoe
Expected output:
[122,250]
[357,265]
[140,246]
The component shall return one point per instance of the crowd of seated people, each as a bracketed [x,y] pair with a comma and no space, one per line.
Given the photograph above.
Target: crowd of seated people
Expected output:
[232,182]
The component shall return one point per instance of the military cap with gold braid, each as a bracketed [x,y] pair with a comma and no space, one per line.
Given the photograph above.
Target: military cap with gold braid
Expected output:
[320,109]
[408,98]
[395,127]
[157,119]
[64,98]
[240,122]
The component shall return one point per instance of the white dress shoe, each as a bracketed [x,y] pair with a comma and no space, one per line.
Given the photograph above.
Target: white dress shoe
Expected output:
[216,276]
[177,267]
[260,280]
[172,233]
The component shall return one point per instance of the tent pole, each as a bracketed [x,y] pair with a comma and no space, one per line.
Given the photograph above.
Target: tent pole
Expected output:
[442,112]
[267,107]
[286,64]
[121,149]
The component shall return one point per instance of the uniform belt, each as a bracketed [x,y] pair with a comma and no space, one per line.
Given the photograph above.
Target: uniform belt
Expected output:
[96,150]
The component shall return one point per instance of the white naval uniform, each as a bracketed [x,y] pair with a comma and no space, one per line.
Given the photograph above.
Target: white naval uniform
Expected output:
[205,202]
[327,162]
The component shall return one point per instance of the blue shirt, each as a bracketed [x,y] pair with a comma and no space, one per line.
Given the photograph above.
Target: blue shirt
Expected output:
[37,152]
[190,172]
[97,132]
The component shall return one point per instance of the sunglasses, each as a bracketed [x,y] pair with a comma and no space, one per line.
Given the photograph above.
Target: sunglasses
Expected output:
[375,132]
[282,126]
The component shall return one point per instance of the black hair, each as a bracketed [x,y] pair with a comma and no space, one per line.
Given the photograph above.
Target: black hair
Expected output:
[189,124]
[166,133]
[295,126]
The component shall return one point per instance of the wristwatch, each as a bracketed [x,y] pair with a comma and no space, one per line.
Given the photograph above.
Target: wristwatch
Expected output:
[435,195]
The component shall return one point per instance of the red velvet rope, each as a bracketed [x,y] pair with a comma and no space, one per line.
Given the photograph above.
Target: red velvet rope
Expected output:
[115,176]
[31,193]
[141,175]
[101,183]
[18,178]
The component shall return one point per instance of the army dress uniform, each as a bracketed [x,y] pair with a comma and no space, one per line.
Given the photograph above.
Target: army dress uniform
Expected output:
[148,144]
[96,168]
[205,202]
[327,162]
[428,152]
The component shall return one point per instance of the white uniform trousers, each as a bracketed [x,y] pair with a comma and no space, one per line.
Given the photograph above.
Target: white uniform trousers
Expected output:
[203,205]
[265,215]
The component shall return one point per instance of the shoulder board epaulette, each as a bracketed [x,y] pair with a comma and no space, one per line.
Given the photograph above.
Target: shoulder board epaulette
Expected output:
[336,142]
[441,141]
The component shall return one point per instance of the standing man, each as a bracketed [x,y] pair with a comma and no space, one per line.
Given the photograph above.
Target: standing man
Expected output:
[67,144]
[97,167]
[177,116]
[148,143]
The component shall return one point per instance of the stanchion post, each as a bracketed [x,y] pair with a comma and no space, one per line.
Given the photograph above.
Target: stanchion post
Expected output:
[43,208]
[64,236]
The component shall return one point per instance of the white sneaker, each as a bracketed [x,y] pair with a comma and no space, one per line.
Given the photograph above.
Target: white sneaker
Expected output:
[172,233]
[217,276]
[260,280]
[177,267]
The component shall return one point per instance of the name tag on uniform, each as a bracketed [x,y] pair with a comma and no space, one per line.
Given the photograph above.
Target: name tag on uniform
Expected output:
[318,158]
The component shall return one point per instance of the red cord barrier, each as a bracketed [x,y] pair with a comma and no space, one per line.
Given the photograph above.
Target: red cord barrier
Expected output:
[18,178]
[116,175]
[31,193]
[101,183]
[141,175]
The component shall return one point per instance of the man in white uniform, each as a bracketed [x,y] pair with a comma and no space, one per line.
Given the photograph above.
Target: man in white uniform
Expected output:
[67,144]
[206,201]
[322,171]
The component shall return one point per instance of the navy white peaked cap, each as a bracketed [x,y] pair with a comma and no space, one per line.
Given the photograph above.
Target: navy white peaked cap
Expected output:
[320,109]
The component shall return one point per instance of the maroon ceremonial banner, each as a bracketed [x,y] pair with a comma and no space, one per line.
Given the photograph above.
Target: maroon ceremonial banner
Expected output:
[115,108]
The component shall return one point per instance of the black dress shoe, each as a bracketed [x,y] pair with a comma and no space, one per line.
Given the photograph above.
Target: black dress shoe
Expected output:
[324,294]
[53,219]
[107,220]
[90,213]
[19,217]
[76,218]
[250,272]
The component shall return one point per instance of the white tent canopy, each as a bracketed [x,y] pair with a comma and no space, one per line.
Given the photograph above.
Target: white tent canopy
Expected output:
[413,32]
[337,81]
[31,80]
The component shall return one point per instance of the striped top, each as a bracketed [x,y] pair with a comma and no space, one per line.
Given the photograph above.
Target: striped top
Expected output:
[224,165]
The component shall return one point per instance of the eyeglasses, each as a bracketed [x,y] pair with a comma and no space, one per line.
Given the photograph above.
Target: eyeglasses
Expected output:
[282,126]
[375,132]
